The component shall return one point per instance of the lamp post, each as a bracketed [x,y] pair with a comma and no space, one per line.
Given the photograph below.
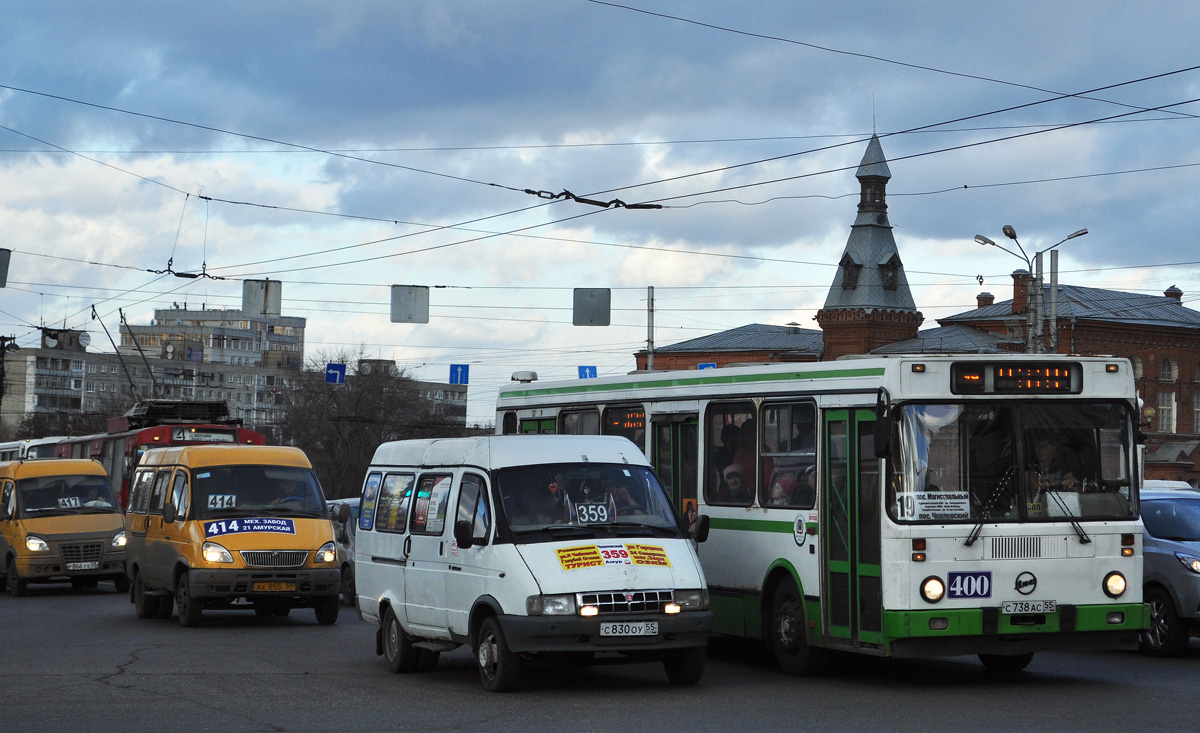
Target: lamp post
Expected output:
[1035,315]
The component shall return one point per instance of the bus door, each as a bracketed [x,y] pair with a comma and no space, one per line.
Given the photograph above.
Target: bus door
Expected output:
[675,456]
[852,598]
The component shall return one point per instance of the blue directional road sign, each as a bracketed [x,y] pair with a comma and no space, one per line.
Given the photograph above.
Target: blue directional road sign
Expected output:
[335,373]
[588,372]
[459,373]
[707,365]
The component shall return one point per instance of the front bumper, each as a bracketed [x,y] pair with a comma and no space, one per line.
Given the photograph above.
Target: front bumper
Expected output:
[578,634]
[229,584]
[52,566]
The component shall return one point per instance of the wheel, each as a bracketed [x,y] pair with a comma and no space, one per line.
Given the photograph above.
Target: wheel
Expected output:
[398,650]
[189,608]
[1167,636]
[348,585]
[327,610]
[685,666]
[121,584]
[788,636]
[163,605]
[143,605]
[16,584]
[499,668]
[427,661]
[1006,664]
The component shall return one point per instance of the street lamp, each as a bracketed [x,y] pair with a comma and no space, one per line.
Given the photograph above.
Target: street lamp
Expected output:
[1034,312]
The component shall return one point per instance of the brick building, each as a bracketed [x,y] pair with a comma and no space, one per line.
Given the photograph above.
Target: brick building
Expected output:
[870,310]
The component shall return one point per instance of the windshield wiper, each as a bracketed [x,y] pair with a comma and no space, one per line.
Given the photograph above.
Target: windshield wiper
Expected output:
[645,530]
[574,530]
[1083,536]
[222,513]
[986,507]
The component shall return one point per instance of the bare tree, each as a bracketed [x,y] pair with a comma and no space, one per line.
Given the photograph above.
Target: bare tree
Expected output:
[339,426]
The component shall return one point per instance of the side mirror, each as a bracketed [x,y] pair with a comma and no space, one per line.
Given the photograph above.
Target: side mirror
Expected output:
[342,514]
[169,513]
[462,533]
[702,526]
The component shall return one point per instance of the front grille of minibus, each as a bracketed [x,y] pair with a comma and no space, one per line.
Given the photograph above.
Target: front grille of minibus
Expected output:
[82,553]
[274,558]
[632,601]
[1027,548]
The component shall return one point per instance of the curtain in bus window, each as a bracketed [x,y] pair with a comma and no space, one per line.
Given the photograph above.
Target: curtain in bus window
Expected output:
[731,454]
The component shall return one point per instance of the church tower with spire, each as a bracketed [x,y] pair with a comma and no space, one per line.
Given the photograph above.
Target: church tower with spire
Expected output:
[869,304]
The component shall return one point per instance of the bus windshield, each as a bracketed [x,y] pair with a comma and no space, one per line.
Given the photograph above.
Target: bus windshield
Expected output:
[50,496]
[585,500]
[1012,461]
[273,491]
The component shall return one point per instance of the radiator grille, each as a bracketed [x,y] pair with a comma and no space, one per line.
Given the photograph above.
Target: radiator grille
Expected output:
[88,552]
[633,601]
[1026,548]
[274,558]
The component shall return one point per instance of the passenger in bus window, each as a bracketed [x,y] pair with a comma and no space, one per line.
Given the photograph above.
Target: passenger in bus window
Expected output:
[746,453]
[1049,467]
[735,484]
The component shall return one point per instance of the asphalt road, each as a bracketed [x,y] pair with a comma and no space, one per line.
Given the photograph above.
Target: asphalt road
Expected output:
[80,660]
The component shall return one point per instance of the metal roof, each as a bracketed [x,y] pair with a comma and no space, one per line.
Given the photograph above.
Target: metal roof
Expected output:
[755,337]
[953,339]
[1095,304]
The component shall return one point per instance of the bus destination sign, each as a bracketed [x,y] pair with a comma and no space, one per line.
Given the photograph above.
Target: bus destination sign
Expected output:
[1016,378]
[202,435]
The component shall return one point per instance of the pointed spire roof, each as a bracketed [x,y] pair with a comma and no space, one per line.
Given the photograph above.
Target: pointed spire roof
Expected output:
[870,273]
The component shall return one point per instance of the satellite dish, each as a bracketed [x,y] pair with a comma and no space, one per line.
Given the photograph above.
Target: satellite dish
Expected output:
[85,339]
[11,347]
[49,341]
[393,371]
[364,367]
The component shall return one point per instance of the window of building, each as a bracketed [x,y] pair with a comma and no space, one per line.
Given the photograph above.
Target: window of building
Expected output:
[1166,412]
[1169,370]
[1196,413]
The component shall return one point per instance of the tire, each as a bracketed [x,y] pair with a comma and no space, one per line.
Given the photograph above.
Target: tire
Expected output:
[163,605]
[1167,636]
[1003,664]
[16,584]
[398,650]
[499,668]
[121,584]
[685,666]
[326,609]
[144,606]
[348,589]
[189,608]
[788,633]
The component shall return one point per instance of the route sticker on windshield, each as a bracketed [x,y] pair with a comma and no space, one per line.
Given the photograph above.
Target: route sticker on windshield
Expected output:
[222,501]
[249,524]
[590,556]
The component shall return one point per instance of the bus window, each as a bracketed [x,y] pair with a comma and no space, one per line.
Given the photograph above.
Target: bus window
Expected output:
[510,423]
[535,427]
[580,423]
[629,422]
[731,455]
[789,459]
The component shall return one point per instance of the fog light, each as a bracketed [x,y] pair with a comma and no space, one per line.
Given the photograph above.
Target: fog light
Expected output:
[932,589]
[939,624]
[589,611]
[1114,584]
[1115,617]
[671,608]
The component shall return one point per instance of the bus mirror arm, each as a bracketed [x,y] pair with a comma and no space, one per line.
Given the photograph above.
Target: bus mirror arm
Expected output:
[883,425]
[702,526]
[462,533]
[169,513]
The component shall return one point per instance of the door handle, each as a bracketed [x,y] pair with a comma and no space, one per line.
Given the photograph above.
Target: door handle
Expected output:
[407,545]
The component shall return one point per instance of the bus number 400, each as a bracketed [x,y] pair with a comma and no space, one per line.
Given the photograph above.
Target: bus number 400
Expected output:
[970,585]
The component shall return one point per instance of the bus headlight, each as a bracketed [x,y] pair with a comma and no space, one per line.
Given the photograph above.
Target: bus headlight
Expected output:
[327,553]
[36,544]
[118,539]
[1114,584]
[559,605]
[933,589]
[215,553]
[1190,562]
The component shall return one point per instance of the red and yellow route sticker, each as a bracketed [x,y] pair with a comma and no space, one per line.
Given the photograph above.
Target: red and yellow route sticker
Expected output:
[590,556]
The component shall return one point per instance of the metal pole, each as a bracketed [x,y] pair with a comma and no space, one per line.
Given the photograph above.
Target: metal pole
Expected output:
[1036,312]
[650,328]
[1054,301]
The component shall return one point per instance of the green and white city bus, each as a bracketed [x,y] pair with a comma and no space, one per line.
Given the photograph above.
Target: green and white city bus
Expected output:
[908,506]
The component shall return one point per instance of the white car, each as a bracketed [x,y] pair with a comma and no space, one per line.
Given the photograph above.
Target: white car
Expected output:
[343,535]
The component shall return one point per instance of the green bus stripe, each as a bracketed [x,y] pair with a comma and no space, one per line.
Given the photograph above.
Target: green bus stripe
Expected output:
[584,388]
[751,525]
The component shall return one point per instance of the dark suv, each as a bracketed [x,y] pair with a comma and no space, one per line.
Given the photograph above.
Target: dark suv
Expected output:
[1171,551]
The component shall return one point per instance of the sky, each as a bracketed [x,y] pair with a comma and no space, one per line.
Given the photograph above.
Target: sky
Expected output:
[343,148]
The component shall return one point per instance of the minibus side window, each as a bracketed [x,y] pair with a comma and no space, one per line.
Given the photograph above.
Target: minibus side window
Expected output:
[366,513]
[7,502]
[395,494]
[180,495]
[160,492]
[473,508]
[432,501]
[139,498]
